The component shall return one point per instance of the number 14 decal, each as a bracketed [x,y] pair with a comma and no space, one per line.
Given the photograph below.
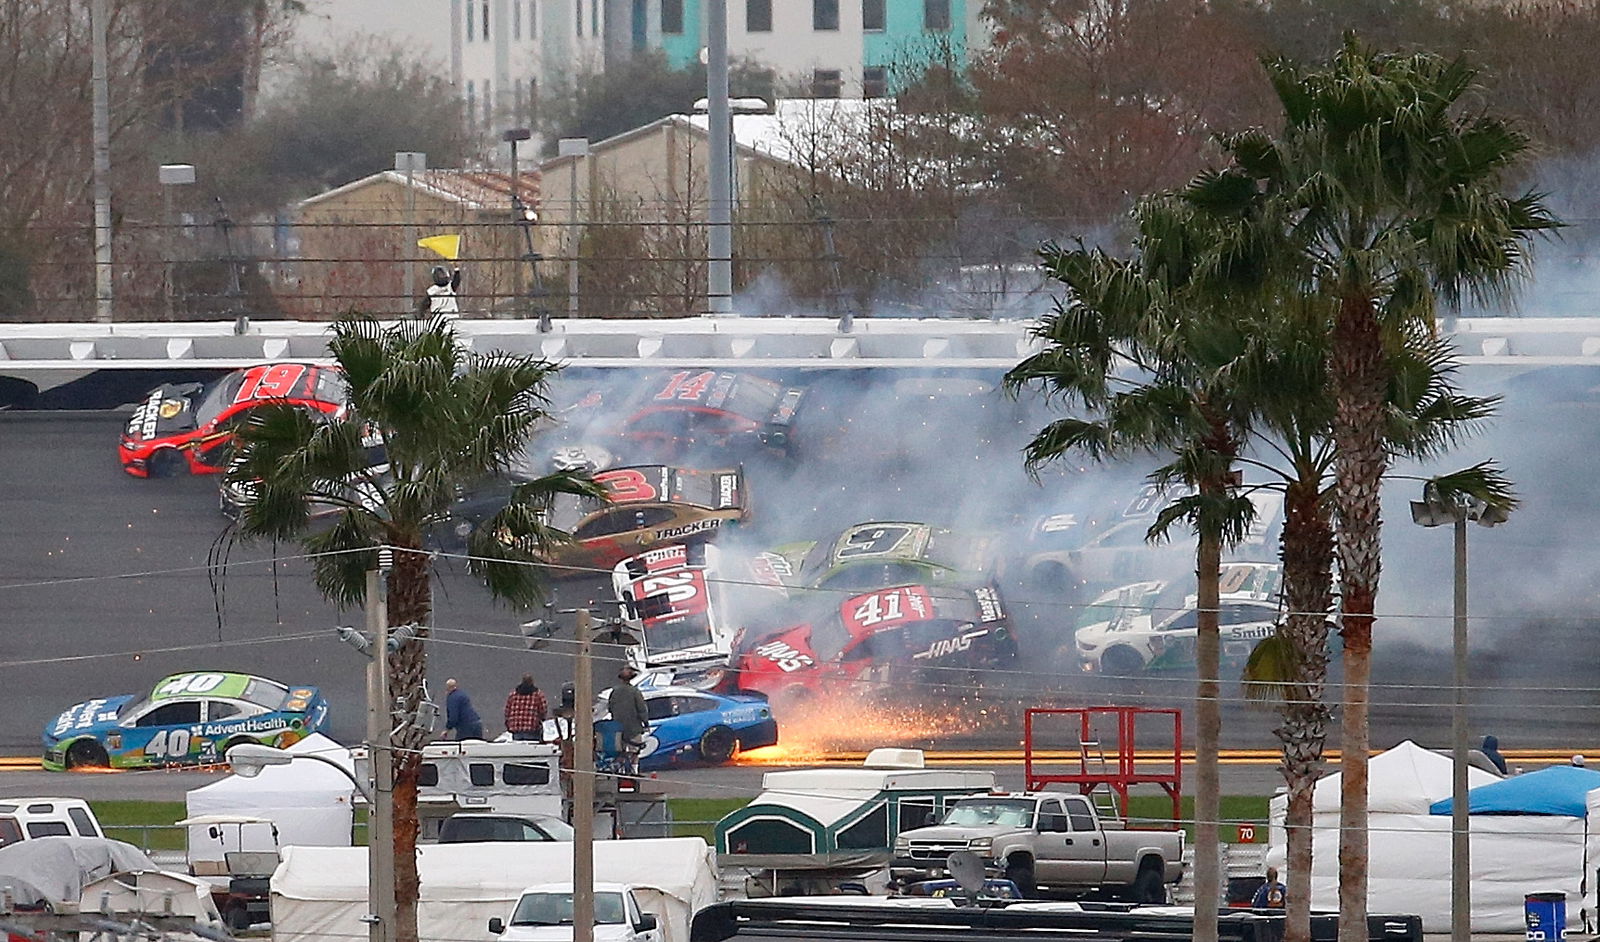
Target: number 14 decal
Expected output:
[685,384]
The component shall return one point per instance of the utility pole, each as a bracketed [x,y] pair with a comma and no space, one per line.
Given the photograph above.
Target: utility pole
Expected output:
[380,720]
[410,163]
[1460,835]
[99,14]
[583,787]
[719,127]
[576,148]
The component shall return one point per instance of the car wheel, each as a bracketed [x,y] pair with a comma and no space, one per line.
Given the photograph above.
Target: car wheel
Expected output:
[718,745]
[87,754]
[237,741]
[166,463]
[1148,887]
[1019,870]
[1121,661]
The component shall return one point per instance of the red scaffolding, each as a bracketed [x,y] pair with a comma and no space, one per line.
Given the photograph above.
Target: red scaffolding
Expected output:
[1092,767]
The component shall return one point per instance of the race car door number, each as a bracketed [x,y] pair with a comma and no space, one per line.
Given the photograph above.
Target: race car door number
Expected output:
[270,382]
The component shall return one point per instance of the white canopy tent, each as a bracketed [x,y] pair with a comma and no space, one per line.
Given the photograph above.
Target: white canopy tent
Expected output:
[320,893]
[1409,849]
[309,803]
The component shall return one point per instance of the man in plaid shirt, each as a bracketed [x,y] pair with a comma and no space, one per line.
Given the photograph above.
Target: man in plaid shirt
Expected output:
[525,711]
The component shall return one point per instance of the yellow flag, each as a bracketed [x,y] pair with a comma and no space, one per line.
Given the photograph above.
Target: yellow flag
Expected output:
[447,245]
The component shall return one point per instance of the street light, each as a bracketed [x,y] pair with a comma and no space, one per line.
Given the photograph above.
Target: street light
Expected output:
[1437,510]
[248,759]
[520,215]
[170,176]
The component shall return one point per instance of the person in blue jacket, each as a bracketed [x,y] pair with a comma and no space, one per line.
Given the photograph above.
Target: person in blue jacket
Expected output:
[1272,894]
[461,720]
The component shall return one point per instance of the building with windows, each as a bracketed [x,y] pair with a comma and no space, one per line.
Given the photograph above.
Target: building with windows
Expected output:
[824,48]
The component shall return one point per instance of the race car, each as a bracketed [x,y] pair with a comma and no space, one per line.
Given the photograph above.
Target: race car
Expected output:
[1150,626]
[692,727]
[722,416]
[185,719]
[688,603]
[648,505]
[1066,551]
[879,554]
[909,633]
[190,426]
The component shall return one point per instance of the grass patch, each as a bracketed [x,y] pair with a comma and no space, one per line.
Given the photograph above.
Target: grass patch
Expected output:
[145,824]
[1156,811]
[697,817]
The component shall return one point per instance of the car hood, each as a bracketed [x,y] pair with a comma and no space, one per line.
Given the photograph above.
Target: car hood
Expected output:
[941,832]
[167,410]
[602,933]
[90,716]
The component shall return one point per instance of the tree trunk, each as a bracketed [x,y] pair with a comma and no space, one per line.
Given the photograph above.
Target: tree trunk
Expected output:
[1308,550]
[1208,724]
[410,603]
[1360,384]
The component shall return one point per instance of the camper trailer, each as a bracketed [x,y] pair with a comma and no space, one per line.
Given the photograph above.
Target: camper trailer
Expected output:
[810,827]
[505,777]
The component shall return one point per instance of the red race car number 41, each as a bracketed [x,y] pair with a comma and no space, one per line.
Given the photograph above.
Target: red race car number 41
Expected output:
[270,382]
[889,607]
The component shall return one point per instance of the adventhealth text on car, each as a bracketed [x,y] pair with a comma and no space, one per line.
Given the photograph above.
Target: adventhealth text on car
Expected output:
[190,426]
[1142,627]
[688,726]
[185,719]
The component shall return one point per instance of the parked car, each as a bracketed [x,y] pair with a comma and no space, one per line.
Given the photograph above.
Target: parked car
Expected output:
[543,913]
[1049,839]
[472,827]
[185,719]
[23,819]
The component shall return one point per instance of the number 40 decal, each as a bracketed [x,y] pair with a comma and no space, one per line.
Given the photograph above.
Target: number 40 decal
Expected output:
[190,683]
[168,744]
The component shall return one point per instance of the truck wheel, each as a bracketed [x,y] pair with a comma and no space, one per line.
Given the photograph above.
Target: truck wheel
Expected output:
[717,745]
[87,754]
[1121,661]
[1019,870]
[1148,887]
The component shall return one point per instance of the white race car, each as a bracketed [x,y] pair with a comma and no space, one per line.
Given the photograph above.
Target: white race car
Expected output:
[1149,626]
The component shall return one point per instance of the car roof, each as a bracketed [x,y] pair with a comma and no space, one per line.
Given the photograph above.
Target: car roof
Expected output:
[567,887]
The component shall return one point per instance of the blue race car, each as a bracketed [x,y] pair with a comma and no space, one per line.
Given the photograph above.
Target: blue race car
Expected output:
[689,726]
[185,719]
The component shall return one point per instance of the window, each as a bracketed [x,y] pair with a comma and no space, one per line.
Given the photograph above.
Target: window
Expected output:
[659,708]
[533,19]
[826,83]
[481,774]
[936,14]
[526,774]
[172,714]
[1078,811]
[472,99]
[869,833]
[577,15]
[770,836]
[428,775]
[672,17]
[594,17]
[471,23]
[485,18]
[48,829]
[533,101]
[915,813]
[10,831]
[874,81]
[516,21]
[825,16]
[42,808]
[82,821]
[686,705]
[221,710]
[872,16]
[758,16]
[488,103]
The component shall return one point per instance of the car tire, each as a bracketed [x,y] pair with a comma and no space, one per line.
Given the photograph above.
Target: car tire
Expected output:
[718,744]
[1019,870]
[1121,661]
[165,463]
[237,741]
[1148,887]
[87,754]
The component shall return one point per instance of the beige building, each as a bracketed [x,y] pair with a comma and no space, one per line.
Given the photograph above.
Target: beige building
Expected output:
[357,243]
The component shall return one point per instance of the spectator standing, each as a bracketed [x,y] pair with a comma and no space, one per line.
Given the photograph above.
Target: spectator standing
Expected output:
[461,720]
[441,299]
[630,713]
[525,711]
[1272,894]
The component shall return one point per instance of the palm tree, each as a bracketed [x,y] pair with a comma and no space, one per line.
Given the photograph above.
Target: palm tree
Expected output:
[1381,195]
[1426,414]
[446,419]
[1133,318]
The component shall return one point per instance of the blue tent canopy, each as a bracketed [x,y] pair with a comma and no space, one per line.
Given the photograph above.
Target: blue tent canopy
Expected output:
[1558,790]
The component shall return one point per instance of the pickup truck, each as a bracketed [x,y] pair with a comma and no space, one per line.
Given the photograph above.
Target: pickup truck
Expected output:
[1050,839]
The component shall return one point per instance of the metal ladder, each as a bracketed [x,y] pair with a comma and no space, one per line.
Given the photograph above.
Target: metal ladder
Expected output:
[1102,797]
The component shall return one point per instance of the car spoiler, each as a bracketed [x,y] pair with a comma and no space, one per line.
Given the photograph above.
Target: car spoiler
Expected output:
[795,917]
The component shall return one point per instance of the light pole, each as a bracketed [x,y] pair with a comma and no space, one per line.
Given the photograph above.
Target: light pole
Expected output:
[583,786]
[512,136]
[99,17]
[719,176]
[575,148]
[1437,510]
[170,176]
[410,163]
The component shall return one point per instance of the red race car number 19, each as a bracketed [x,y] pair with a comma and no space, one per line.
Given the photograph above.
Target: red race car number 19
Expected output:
[270,382]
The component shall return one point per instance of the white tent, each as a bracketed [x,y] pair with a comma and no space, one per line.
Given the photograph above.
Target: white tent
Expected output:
[1409,849]
[309,802]
[320,893]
